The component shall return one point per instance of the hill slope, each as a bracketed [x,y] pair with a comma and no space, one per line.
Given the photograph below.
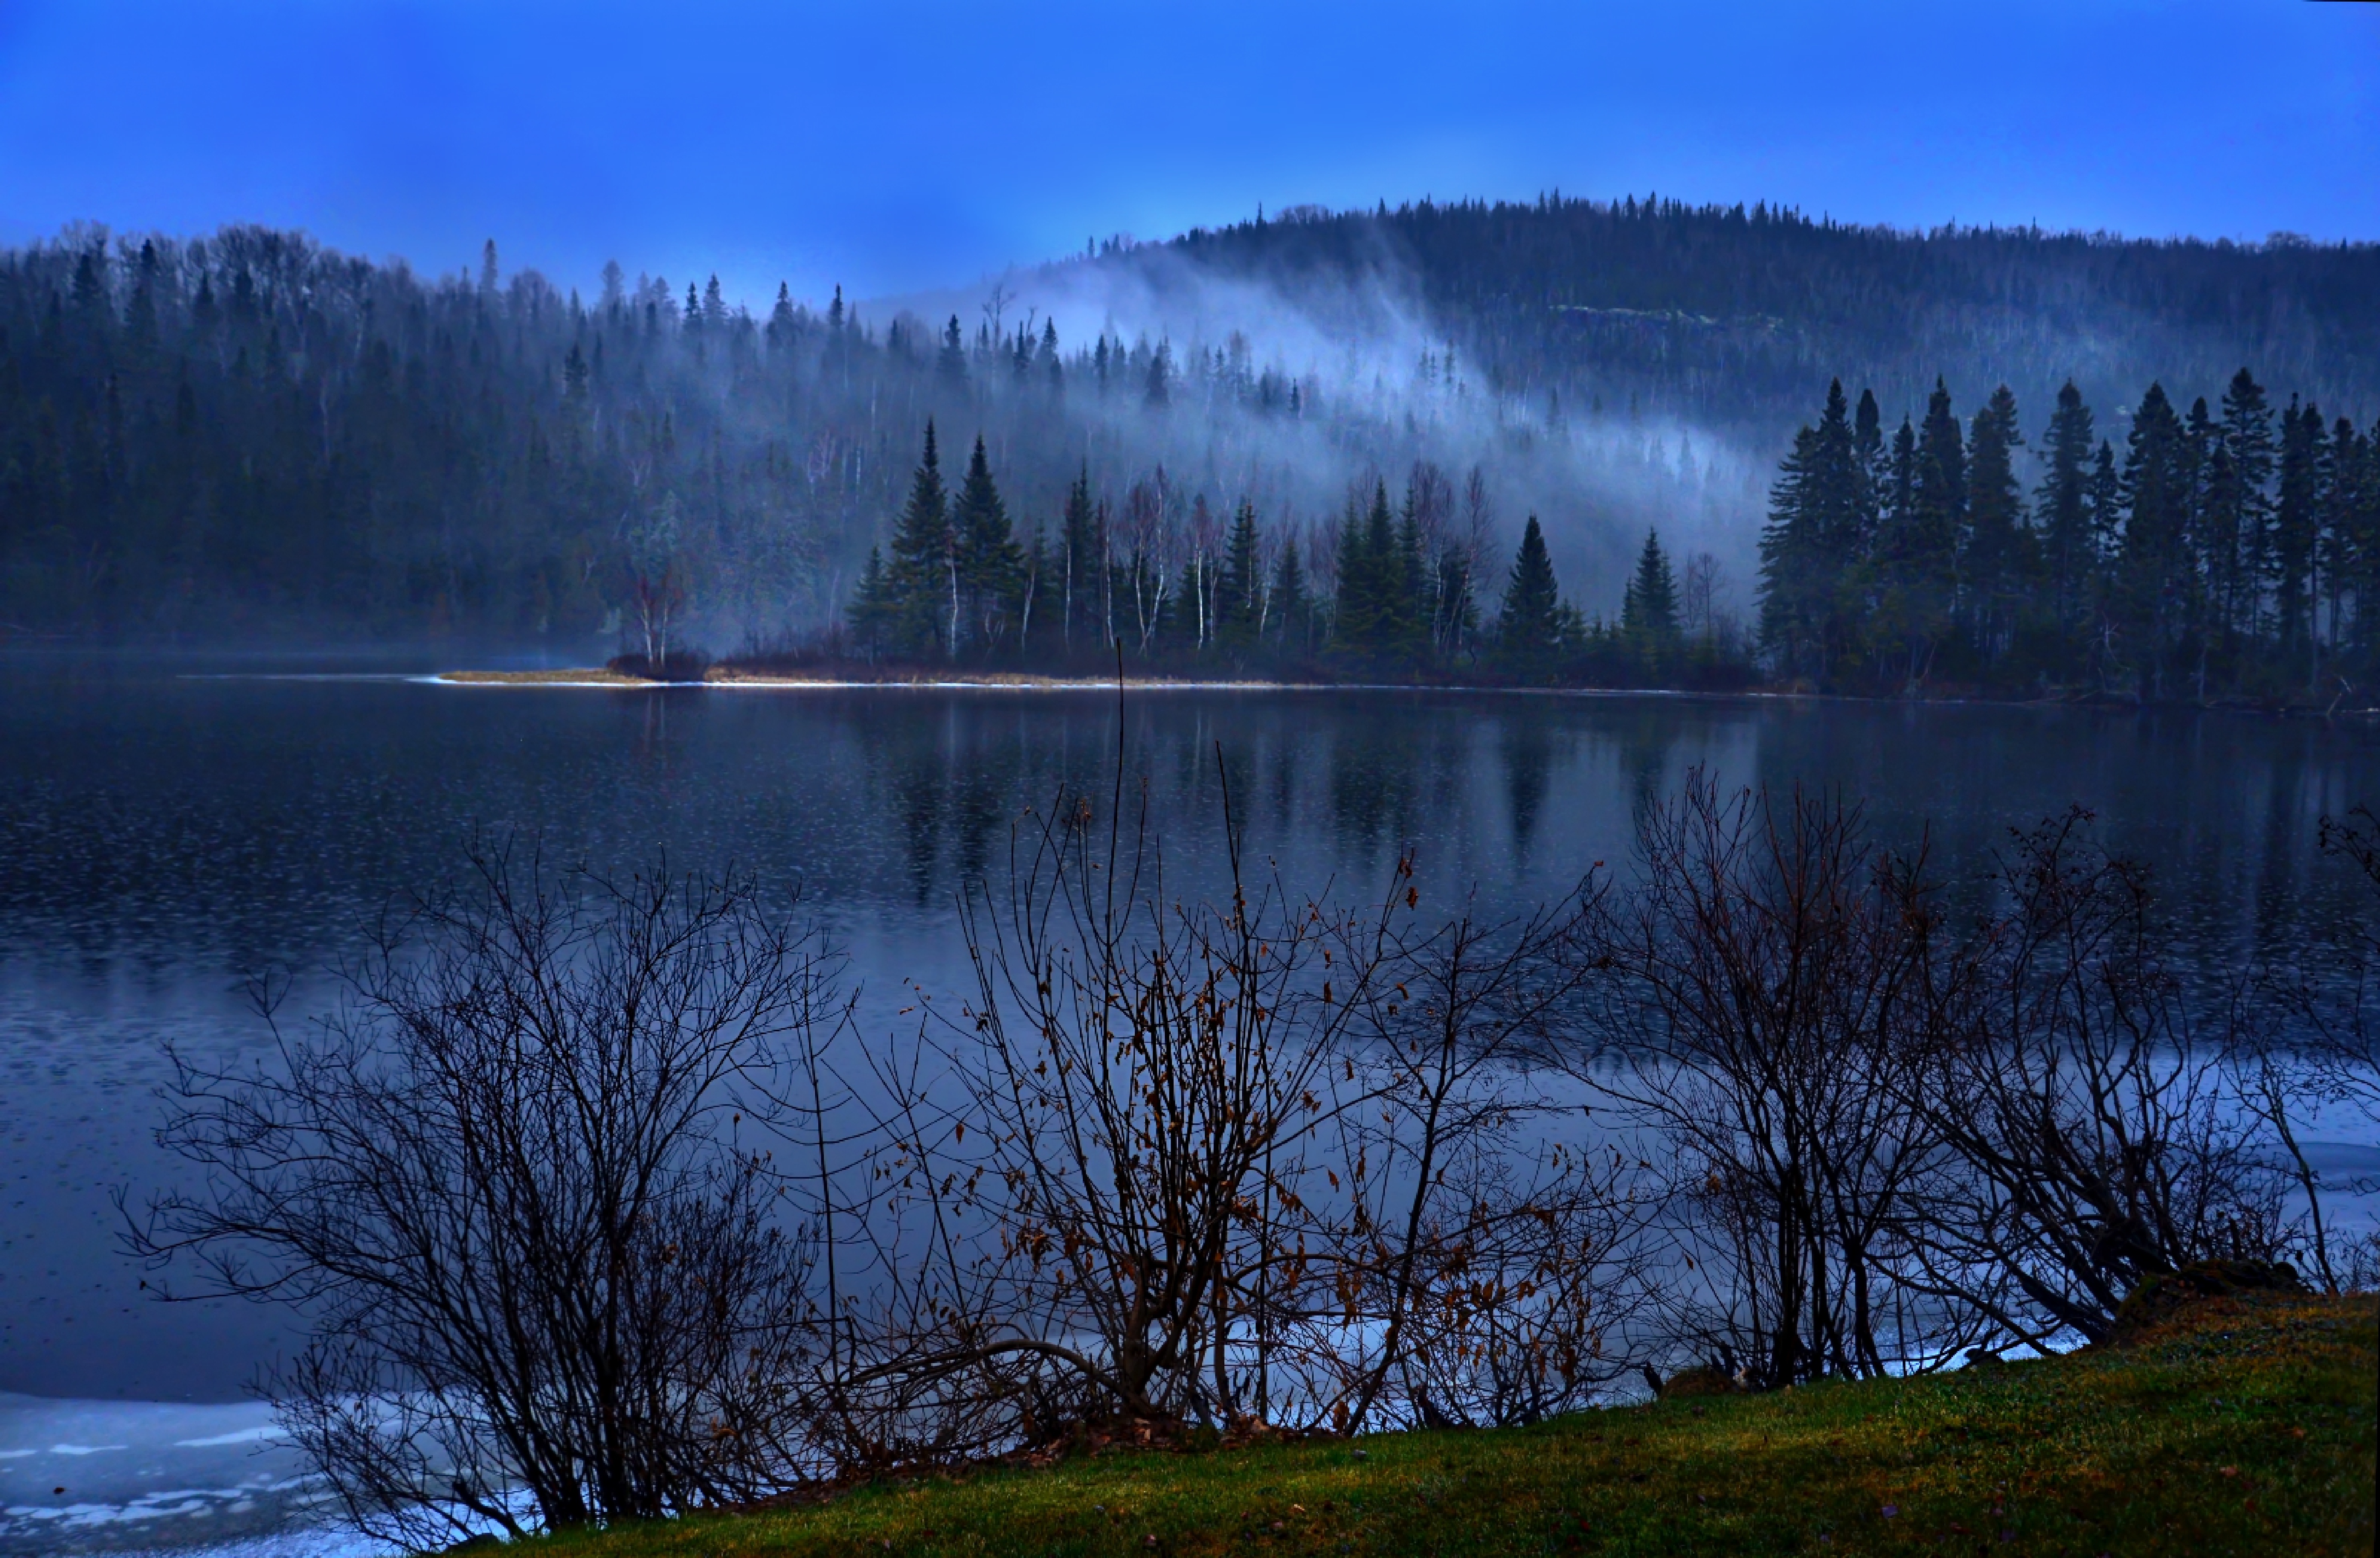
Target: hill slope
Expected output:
[248,435]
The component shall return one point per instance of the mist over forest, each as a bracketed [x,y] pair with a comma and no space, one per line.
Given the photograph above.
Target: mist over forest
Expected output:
[247,436]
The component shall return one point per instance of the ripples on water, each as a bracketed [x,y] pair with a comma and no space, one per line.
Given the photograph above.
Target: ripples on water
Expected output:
[163,834]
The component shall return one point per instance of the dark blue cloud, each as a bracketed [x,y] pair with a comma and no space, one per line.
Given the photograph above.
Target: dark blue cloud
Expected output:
[896,145]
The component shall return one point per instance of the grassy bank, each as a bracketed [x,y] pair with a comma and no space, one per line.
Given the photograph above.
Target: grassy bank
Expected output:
[2244,1427]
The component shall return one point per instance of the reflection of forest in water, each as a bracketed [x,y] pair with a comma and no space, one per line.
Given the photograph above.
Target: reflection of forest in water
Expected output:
[235,822]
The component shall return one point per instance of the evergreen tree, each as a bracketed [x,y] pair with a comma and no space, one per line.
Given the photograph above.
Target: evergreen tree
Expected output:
[2357,525]
[1820,516]
[2295,529]
[1529,628]
[2106,506]
[1648,612]
[1373,608]
[1793,582]
[1912,575]
[1080,562]
[1998,562]
[2240,516]
[923,574]
[1407,627]
[951,365]
[1160,393]
[987,563]
[2150,584]
[1289,611]
[1243,581]
[2062,512]
[1871,465]
[875,609]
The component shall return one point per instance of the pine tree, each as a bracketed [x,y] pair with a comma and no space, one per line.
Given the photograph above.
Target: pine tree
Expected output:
[780,332]
[1160,393]
[952,364]
[1870,465]
[1408,588]
[922,574]
[2296,520]
[1243,581]
[1054,370]
[2062,512]
[874,608]
[1913,577]
[1529,628]
[1820,514]
[1289,613]
[989,567]
[1375,616]
[1648,612]
[1791,565]
[2150,586]
[1079,562]
[1998,560]
[2241,509]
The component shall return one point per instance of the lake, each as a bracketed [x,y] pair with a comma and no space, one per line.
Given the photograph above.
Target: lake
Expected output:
[167,830]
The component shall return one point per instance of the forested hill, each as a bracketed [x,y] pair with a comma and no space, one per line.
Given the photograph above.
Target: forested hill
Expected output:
[248,435]
[1731,315]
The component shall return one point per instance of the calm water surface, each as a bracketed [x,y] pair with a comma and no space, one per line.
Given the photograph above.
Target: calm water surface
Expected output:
[165,833]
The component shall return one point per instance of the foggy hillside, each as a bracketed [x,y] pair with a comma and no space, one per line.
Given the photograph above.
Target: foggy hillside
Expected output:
[247,435]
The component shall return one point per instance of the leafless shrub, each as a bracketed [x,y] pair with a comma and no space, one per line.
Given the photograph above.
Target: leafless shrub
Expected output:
[1488,1261]
[2096,1134]
[500,1181]
[1253,1161]
[1769,1000]
[2314,1044]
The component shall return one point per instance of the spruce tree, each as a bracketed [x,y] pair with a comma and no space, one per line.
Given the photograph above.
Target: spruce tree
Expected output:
[2151,589]
[2295,511]
[1078,564]
[921,575]
[1289,614]
[1371,581]
[2062,513]
[1792,574]
[1530,624]
[1998,561]
[1407,634]
[1911,575]
[951,365]
[1871,465]
[1159,392]
[1648,612]
[874,609]
[989,566]
[2241,511]
[1235,625]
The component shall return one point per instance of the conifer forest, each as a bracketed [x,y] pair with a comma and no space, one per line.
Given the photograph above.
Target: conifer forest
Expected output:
[1553,442]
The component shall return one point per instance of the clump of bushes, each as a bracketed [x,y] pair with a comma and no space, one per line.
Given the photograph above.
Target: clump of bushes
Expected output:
[670,665]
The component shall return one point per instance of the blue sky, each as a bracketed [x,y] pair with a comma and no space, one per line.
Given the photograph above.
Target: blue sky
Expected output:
[896,144]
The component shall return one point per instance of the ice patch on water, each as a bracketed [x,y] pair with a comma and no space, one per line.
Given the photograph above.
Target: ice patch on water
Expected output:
[239,1436]
[159,1477]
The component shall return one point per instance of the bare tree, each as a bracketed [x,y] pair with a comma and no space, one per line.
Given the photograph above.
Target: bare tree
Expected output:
[500,1181]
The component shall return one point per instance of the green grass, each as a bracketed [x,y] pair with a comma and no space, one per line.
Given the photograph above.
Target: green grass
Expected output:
[2242,1428]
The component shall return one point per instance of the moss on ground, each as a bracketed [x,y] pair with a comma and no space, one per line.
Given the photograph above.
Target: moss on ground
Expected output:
[2243,1425]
